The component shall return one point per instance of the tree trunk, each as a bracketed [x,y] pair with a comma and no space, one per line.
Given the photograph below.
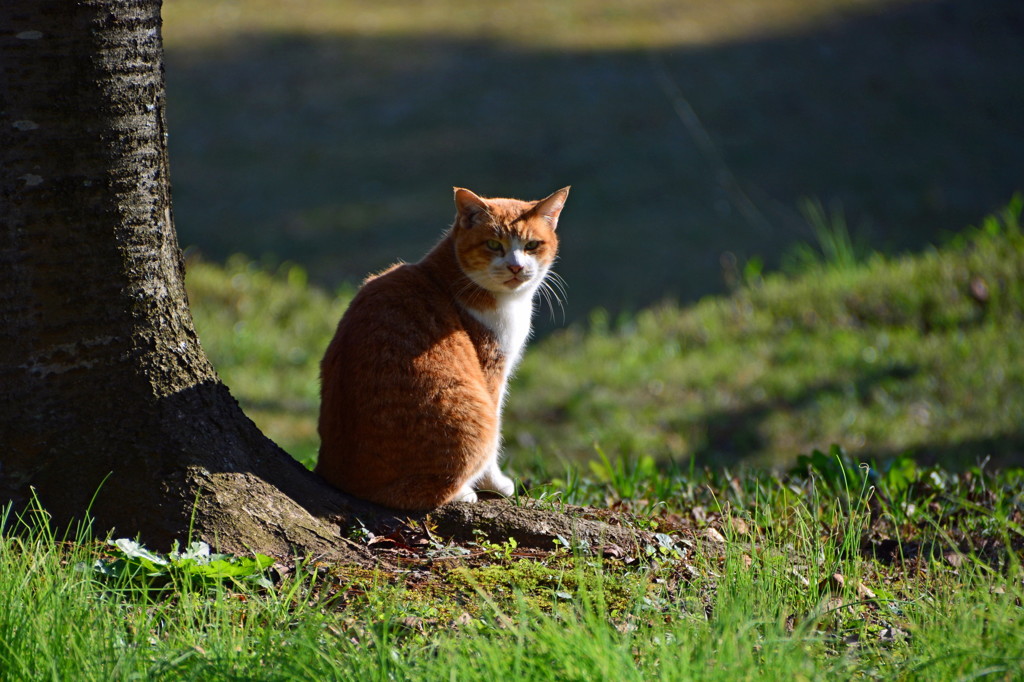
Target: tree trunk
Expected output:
[109,405]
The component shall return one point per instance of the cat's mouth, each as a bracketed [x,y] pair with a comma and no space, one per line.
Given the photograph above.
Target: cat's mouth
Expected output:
[515,281]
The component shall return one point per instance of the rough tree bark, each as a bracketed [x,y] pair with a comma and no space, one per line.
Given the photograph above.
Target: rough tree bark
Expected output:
[108,403]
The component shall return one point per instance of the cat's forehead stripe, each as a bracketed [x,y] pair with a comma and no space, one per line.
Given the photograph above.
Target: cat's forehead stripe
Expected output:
[516,232]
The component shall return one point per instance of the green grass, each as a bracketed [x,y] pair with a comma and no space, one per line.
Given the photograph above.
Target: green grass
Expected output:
[915,353]
[825,569]
[658,414]
[763,603]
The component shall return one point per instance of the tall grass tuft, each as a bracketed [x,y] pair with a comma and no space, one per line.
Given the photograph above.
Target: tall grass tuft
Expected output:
[835,248]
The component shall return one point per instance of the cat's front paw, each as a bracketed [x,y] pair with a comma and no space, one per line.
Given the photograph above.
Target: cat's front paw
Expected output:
[498,482]
[465,494]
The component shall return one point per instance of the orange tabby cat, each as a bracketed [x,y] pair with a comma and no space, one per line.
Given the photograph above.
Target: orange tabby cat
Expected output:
[414,379]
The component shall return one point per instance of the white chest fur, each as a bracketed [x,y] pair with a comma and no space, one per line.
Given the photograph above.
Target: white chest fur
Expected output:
[510,322]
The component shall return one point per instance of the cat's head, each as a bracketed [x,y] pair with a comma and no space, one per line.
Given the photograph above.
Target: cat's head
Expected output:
[506,246]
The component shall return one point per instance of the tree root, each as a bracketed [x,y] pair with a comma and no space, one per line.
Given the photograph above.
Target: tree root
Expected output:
[299,514]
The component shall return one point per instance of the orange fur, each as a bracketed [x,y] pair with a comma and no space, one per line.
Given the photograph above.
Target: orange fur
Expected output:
[413,381]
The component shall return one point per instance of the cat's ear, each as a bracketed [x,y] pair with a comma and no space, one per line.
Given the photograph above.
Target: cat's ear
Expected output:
[469,206]
[551,207]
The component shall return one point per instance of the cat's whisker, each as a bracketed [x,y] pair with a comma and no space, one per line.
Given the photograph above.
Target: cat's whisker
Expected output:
[556,282]
[547,299]
[557,293]
[553,286]
[551,306]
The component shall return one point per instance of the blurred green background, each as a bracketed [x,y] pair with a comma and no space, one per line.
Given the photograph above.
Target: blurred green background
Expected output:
[329,132]
[708,142]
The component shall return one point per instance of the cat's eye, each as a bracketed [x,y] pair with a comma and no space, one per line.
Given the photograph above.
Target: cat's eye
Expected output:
[494,245]
[531,246]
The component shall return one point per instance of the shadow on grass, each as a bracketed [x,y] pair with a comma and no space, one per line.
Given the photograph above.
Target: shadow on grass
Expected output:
[1002,451]
[339,152]
[732,435]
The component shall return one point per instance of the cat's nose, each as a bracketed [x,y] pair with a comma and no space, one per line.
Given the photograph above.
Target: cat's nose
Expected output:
[515,269]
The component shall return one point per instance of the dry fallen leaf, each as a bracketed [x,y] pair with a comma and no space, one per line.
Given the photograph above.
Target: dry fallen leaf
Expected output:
[738,525]
[714,536]
[464,619]
[612,552]
[865,592]
[833,584]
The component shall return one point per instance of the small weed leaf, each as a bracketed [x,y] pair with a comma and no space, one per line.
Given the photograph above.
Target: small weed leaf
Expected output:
[836,470]
[133,550]
[898,475]
[198,551]
[133,562]
[666,547]
[625,475]
[561,543]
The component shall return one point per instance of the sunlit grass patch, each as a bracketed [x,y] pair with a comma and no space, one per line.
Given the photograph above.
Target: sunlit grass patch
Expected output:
[596,24]
[834,570]
[916,353]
